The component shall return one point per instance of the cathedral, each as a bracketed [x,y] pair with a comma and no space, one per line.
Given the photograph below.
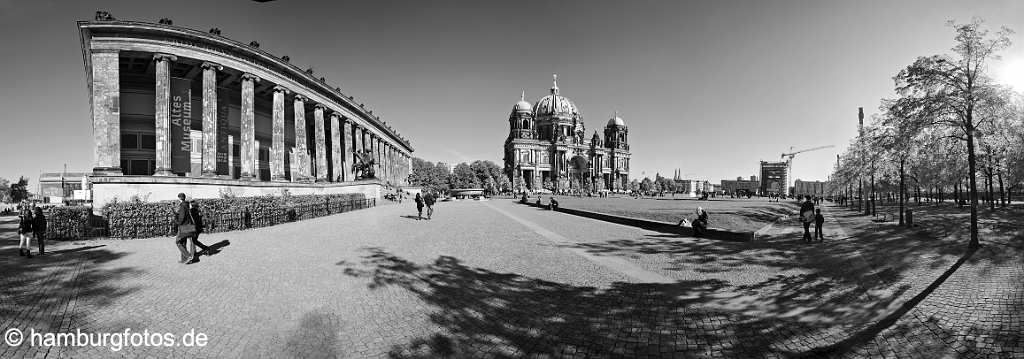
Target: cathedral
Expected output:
[547,147]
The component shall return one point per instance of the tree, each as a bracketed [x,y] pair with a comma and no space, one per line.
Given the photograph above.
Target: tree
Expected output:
[646,184]
[429,176]
[19,191]
[5,190]
[463,176]
[948,91]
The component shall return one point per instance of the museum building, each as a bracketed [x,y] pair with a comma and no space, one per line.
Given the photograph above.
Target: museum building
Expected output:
[180,110]
[547,148]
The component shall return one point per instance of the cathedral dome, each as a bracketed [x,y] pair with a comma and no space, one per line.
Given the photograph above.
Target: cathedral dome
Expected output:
[617,121]
[554,103]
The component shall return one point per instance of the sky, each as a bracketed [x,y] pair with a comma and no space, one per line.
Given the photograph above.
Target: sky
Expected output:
[707,87]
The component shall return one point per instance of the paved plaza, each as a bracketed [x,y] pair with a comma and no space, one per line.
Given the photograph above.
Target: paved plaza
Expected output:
[497,279]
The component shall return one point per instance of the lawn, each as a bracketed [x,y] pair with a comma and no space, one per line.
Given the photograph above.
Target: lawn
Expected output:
[726,213]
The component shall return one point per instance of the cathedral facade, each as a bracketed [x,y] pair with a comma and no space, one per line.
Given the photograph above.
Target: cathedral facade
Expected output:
[547,147]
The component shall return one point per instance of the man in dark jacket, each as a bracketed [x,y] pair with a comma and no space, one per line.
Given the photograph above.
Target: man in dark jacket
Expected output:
[39,229]
[819,220]
[197,219]
[429,200]
[807,216]
[183,220]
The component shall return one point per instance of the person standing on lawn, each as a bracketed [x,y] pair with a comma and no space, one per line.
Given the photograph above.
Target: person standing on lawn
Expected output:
[807,217]
[819,220]
[39,229]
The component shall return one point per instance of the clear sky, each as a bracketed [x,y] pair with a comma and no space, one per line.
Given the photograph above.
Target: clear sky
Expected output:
[710,87]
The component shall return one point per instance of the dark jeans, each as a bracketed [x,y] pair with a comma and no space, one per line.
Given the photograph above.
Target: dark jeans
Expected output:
[818,233]
[41,240]
[807,231]
[186,253]
[197,243]
[699,228]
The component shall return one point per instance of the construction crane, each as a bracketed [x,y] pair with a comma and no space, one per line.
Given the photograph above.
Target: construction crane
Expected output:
[789,161]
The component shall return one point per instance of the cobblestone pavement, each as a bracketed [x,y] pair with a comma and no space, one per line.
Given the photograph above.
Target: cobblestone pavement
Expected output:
[495,279]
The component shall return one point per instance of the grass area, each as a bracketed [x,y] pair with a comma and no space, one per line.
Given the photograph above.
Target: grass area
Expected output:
[725,213]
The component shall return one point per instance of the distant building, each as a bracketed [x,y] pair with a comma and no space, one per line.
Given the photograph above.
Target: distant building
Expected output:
[810,188]
[56,187]
[547,146]
[773,177]
[741,186]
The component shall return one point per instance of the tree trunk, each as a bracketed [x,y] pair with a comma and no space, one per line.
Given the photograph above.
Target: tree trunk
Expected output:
[860,195]
[901,190]
[873,195]
[971,171]
[1002,192]
[991,193]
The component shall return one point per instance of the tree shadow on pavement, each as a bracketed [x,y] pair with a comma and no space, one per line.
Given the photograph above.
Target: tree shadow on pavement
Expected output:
[41,292]
[483,313]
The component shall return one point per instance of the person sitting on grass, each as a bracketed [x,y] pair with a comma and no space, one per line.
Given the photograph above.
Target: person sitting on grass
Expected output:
[699,225]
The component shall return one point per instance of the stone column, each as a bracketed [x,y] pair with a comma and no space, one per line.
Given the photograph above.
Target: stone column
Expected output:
[371,145]
[277,141]
[380,159]
[357,143]
[301,161]
[387,163]
[348,148]
[248,127]
[162,113]
[321,143]
[377,158]
[106,112]
[336,162]
[210,118]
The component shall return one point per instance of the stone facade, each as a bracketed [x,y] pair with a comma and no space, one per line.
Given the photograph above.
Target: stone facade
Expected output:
[265,104]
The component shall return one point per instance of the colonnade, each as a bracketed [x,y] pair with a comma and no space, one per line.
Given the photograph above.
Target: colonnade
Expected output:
[347,136]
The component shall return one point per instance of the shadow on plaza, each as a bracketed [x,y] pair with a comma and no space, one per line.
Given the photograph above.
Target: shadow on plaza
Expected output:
[833,298]
[488,314]
[37,290]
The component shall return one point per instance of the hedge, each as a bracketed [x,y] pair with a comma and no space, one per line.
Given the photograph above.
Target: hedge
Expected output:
[138,219]
[68,222]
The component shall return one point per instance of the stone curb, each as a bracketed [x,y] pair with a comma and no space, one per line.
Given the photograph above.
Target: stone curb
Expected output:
[658,226]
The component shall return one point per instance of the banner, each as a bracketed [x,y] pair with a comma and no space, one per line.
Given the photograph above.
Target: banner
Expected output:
[223,147]
[181,125]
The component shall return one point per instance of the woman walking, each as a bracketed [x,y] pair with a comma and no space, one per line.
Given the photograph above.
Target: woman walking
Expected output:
[39,230]
[419,207]
[24,231]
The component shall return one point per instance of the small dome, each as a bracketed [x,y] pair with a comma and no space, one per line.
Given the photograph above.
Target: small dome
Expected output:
[522,105]
[617,121]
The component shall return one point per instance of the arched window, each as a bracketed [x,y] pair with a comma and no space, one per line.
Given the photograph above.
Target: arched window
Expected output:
[526,124]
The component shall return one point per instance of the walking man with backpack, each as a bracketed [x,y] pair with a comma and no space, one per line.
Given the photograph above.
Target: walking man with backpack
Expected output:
[429,201]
